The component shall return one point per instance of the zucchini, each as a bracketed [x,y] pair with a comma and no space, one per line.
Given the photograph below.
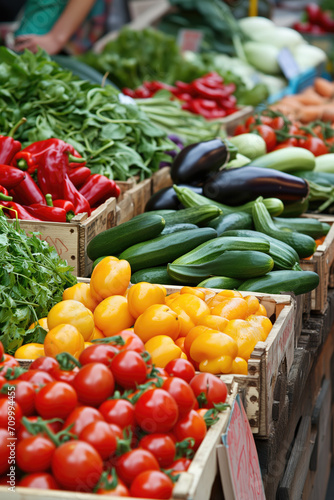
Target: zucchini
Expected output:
[157,274]
[324,163]
[236,220]
[294,209]
[164,249]
[284,256]
[304,245]
[193,215]
[239,264]
[116,239]
[311,227]
[221,282]
[178,227]
[162,212]
[286,160]
[190,199]
[283,281]
[210,250]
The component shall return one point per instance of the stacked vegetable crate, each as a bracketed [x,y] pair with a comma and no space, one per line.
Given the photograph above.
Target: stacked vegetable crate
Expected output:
[70,239]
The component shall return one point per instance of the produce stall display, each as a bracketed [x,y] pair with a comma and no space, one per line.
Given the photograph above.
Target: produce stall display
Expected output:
[167,259]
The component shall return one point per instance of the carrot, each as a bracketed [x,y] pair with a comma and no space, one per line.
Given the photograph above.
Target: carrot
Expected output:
[309,114]
[309,97]
[323,87]
[328,114]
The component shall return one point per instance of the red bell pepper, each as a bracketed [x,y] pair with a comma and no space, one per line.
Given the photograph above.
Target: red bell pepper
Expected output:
[66,205]
[16,210]
[81,205]
[46,213]
[78,176]
[27,192]
[11,177]
[8,146]
[4,194]
[38,151]
[98,188]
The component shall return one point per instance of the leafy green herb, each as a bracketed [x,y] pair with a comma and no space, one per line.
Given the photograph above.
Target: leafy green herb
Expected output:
[32,280]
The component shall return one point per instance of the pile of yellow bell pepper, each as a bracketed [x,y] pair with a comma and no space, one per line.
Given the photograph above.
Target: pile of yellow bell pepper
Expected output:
[217,332]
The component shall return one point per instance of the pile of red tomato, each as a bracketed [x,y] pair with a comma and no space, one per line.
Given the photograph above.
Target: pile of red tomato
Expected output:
[279,132]
[109,423]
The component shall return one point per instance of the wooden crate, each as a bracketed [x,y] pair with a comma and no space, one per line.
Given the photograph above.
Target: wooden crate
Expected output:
[70,239]
[124,209]
[195,484]
[140,194]
[322,262]
[161,179]
[124,186]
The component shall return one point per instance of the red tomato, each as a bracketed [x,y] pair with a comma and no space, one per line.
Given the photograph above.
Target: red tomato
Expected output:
[191,425]
[209,388]
[36,377]
[181,464]
[268,135]
[41,480]
[120,412]
[99,353]
[240,129]
[8,362]
[129,369]
[277,123]
[10,414]
[56,400]
[23,433]
[134,462]
[2,352]
[45,364]
[77,466]
[289,143]
[101,437]
[181,368]
[5,451]
[34,454]
[152,484]
[67,376]
[24,395]
[156,411]
[315,145]
[161,446]
[113,486]
[182,393]
[94,383]
[250,121]
[81,417]
[116,430]
[132,342]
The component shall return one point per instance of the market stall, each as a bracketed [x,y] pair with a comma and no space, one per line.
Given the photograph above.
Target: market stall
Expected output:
[167,259]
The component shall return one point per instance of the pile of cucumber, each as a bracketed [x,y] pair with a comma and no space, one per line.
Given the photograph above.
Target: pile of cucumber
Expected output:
[246,249]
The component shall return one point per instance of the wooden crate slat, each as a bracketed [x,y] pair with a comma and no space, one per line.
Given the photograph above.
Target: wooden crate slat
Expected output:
[140,194]
[161,179]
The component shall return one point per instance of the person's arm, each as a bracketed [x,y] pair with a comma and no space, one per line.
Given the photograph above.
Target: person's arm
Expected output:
[71,18]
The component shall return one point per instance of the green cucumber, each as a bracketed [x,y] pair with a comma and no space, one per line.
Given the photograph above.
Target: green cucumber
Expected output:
[167,248]
[236,220]
[294,209]
[178,227]
[157,274]
[190,199]
[221,282]
[194,215]
[162,212]
[116,239]
[305,225]
[212,249]
[304,245]
[282,281]
[239,264]
[284,256]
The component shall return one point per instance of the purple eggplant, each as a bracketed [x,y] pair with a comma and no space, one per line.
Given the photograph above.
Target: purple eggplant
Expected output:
[195,162]
[237,186]
[166,199]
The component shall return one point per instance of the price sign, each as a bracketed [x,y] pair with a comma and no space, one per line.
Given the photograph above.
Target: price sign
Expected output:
[189,40]
[238,460]
[287,63]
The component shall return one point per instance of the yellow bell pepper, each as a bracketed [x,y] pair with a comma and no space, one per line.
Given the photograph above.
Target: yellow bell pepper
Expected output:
[214,351]
[162,349]
[30,351]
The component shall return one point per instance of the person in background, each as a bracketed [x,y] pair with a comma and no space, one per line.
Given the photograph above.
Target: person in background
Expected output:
[71,26]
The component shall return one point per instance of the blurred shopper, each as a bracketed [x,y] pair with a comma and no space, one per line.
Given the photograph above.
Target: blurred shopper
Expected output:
[56,26]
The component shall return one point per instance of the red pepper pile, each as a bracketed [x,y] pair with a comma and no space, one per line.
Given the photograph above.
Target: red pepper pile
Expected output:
[317,21]
[207,96]
[61,190]
[109,423]
[279,132]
